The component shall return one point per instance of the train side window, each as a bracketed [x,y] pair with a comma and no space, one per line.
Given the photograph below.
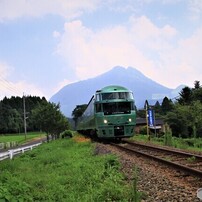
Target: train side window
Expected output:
[97,97]
[98,107]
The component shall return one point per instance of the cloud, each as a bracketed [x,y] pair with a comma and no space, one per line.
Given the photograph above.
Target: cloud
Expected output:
[36,8]
[9,88]
[91,53]
[4,69]
[195,7]
[149,35]
[156,51]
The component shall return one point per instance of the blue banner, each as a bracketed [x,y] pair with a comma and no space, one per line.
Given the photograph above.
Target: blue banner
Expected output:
[150,117]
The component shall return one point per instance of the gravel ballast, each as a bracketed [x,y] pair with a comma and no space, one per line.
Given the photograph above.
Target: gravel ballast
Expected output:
[156,182]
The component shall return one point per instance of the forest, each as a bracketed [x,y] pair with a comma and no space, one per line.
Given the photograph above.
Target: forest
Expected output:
[184,113]
[40,115]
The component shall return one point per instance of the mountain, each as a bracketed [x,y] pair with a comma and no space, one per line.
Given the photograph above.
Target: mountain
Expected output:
[143,88]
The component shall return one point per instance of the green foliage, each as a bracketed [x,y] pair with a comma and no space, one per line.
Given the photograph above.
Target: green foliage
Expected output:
[185,96]
[166,106]
[11,113]
[77,112]
[183,116]
[181,143]
[136,196]
[178,123]
[13,189]
[168,136]
[20,138]
[66,133]
[63,171]
[49,119]
[191,159]
[186,120]
[143,130]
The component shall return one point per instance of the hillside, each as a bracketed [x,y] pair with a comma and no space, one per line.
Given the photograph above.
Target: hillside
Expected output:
[81,92]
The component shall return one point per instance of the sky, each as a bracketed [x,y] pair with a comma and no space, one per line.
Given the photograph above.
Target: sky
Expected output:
[47,44]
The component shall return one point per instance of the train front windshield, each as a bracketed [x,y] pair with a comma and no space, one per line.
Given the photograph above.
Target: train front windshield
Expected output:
[117,95]
[117,108]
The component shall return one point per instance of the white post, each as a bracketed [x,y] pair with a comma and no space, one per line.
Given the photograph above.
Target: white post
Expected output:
[11,154]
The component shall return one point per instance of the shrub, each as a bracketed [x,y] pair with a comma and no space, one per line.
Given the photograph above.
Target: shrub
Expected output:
[168,136]
[143,130]
[66,133]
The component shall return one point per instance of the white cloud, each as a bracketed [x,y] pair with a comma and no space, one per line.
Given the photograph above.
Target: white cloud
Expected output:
[56,34]
[4,69]
[181,63]
[149,35]
[92,53]
[195,7]
[10,88]
[37,8]
[153,50]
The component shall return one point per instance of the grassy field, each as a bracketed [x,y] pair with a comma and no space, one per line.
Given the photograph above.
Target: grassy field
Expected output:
[64,170]
[181,143]
[20,137]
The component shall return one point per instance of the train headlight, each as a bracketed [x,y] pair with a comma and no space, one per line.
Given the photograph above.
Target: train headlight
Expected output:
[130,120]
[105,121]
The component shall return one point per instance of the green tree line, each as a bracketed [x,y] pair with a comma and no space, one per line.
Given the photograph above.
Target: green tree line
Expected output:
[183,114]
[41,116]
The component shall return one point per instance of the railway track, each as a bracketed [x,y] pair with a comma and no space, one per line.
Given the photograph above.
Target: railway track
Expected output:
[183,161]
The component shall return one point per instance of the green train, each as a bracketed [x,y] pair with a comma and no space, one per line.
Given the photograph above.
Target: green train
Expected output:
[110,114]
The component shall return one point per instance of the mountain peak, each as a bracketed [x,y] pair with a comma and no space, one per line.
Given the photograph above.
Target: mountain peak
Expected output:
[143,88]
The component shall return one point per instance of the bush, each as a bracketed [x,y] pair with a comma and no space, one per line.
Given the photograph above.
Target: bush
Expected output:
[143,130]
[66,133]
[168,136]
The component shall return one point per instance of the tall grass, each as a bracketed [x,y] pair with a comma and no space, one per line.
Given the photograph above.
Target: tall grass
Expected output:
[20,138]
[193,144]
[63,170]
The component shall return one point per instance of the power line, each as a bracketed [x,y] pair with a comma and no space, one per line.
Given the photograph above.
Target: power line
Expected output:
[8,86]
[175,98]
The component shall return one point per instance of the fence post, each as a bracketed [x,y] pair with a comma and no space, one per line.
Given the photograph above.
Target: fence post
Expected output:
[11,154]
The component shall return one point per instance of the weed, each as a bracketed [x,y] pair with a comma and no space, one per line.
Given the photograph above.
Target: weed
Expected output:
[191,159]
[63,170]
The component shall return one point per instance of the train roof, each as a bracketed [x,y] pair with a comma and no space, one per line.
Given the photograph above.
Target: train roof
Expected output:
[112,89]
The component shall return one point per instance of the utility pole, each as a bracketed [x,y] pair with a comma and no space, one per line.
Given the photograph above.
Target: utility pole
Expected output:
[25,123]
[146,116]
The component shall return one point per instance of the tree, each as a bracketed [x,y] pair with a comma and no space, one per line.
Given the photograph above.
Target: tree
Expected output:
[185,96]
[157,107]
[196,118]
[11,113]
[197,91]
[197,85]
[77,112]
[49,119]
[178,121]
[166,106]
[10,119]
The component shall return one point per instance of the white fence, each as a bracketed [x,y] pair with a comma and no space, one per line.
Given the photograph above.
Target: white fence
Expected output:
[10,153]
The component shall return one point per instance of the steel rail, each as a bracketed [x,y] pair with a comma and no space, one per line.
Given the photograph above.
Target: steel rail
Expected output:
[189,170]
[199,157]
